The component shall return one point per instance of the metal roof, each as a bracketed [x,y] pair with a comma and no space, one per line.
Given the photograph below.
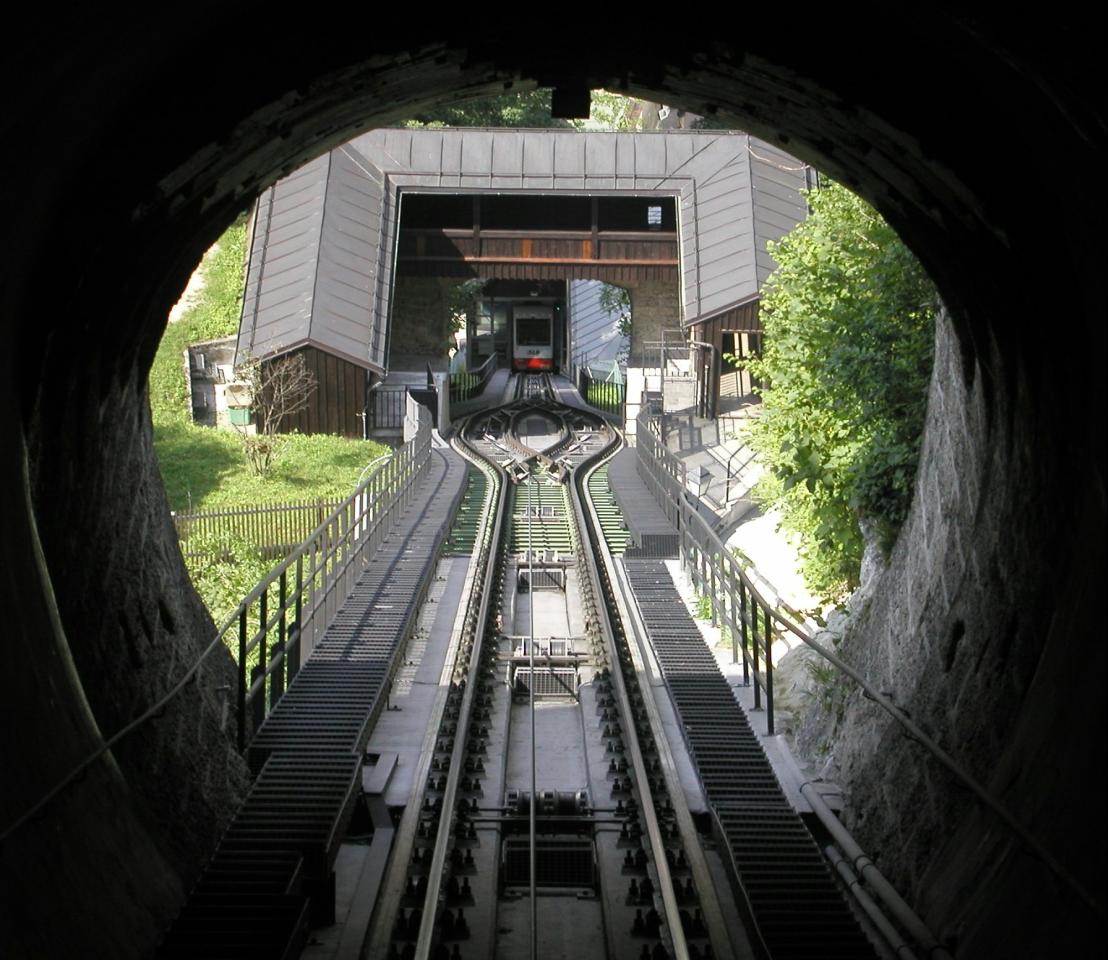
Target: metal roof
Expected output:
[324,237]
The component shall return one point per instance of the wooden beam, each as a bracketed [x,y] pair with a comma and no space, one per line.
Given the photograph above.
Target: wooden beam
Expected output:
[592,261]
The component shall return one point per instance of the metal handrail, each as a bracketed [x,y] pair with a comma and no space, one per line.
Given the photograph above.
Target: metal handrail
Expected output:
[463,388]
[309,585]
[608,396]
[707,399]
[727,488]
[714,566]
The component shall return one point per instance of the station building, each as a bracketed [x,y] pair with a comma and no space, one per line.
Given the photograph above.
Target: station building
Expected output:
[361,259]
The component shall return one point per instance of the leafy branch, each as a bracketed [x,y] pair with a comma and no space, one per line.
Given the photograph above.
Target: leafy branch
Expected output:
[848,318]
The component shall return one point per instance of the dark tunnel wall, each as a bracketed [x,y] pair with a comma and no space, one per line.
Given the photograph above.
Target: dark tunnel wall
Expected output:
[131,144]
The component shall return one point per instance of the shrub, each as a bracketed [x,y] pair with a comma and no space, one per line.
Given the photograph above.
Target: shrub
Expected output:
[849,325]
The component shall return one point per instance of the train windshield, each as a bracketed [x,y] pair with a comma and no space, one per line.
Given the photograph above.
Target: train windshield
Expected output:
[533,331]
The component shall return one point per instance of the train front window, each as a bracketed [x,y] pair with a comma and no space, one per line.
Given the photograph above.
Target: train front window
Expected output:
[532,332]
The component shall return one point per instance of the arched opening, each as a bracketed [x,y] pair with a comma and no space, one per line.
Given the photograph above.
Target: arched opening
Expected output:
[128,164]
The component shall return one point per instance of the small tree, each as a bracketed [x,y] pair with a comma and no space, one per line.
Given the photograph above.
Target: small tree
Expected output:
[279,389]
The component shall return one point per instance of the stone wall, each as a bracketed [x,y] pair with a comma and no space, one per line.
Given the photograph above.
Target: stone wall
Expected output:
[964,633]
[123,844]
[655,306]
[420,319]
[1016,248]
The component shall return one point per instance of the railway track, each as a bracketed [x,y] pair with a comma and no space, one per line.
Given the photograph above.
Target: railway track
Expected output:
[616,864]
[552,820]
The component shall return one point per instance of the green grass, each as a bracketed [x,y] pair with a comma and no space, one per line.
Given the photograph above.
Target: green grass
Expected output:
[205,468]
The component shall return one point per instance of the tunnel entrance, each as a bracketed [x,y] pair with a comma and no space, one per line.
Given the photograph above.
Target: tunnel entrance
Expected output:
[103,618]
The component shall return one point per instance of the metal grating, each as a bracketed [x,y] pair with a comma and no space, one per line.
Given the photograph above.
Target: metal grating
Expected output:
[549,681]
[559,862]
[797,904]
[272,874]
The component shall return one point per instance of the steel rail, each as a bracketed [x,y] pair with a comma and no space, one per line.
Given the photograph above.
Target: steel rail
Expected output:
[424,940]
[673,930]
[384,914]
[713,911]
[647,811]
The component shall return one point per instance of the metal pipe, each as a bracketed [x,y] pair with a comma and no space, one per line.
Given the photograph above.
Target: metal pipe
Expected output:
[892,936]
[880,886]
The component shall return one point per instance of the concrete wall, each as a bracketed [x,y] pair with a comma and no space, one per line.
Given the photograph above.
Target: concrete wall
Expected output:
[1000,672]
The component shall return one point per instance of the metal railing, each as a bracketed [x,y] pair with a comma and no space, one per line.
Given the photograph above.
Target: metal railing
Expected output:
[467,384]
[277,625]
[273,528]
[607,396]
[385,407]
[738,605]
[752,622]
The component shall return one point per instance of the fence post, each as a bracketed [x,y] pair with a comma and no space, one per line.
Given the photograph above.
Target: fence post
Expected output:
[292,650]
[754,653]
[277,681]
[242,681]
[742,620]
[713,560]
[258,703]
[769,673]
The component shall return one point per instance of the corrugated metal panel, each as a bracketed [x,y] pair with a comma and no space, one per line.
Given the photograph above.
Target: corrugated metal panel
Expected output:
[476,154]
[507,162]
[594,331]
[734,193]
[348,267]
[776,179]
[277,302]
[722,228]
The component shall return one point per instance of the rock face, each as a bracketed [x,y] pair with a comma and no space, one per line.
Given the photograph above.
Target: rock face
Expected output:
[125,162]
[955,632]
[122,845]
[183,767]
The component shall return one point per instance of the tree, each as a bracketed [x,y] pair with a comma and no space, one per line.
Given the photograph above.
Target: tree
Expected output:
[279,389]
[849,319]
[617,300]
[513,109]
[608,111]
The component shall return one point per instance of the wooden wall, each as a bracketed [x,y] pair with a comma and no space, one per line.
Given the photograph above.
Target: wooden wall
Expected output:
[743,322]
[339,398]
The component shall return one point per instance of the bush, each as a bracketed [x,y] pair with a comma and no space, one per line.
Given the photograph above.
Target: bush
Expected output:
[849,326]
[224,568]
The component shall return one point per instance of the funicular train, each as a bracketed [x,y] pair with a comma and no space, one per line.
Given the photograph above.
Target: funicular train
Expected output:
[533,337]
